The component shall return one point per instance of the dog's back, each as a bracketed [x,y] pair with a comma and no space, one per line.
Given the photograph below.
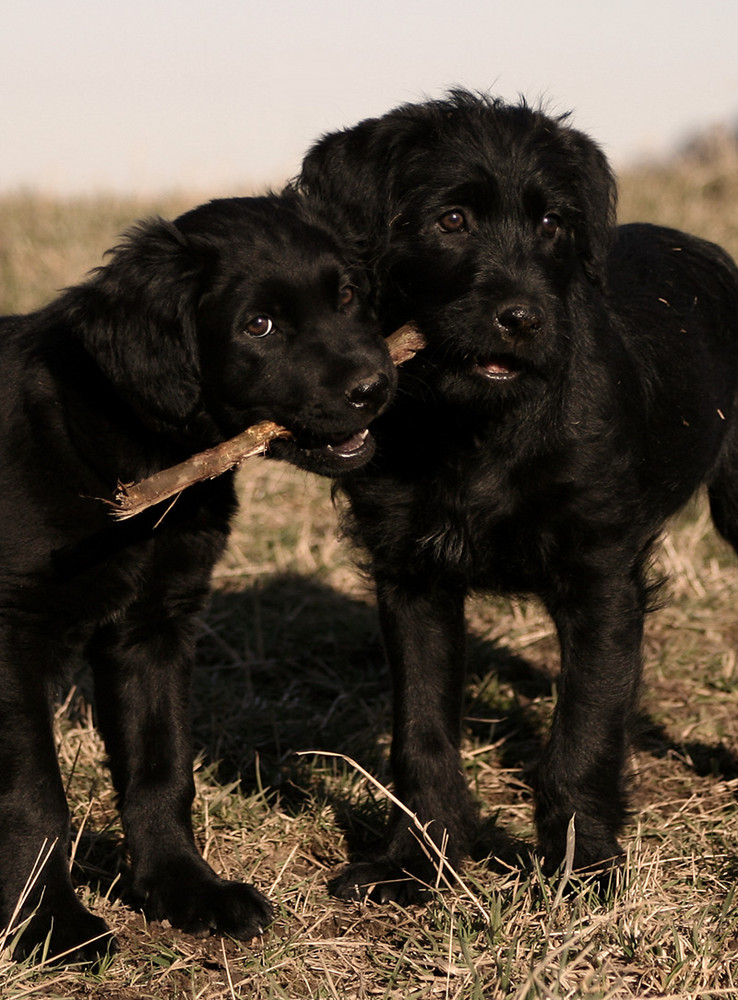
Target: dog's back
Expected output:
[676,299]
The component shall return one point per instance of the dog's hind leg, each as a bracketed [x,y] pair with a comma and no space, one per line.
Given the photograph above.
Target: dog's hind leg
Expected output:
[424,638]
[723,494]
[142,665]
[600,626]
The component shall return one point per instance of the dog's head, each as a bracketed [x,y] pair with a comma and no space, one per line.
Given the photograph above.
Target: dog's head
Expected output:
[239,311]
[487,221]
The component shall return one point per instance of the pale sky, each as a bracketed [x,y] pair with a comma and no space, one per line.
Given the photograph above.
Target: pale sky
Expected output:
[224,96]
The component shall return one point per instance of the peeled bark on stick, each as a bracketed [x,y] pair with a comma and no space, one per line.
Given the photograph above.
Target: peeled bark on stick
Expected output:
[132,498]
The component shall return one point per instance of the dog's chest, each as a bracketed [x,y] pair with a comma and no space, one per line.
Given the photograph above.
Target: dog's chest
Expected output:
[478,527]
[479,514]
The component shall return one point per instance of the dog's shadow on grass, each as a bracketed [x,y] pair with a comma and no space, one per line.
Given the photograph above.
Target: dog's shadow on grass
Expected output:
[291,665]
[704,759]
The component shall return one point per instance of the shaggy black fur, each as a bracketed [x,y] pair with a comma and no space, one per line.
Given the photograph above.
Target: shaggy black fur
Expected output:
[578,385]
[238,311]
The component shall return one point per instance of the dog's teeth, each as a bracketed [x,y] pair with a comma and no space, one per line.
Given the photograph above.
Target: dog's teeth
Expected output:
[350,445]
[497,370]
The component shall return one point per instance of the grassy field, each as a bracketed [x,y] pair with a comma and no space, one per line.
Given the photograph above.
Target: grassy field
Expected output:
[290,662]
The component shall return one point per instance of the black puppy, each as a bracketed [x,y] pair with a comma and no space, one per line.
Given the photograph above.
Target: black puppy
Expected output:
[238,311]
[578,385]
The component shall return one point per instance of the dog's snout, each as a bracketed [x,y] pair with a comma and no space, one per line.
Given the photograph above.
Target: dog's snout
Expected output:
[371,393]
[520,319]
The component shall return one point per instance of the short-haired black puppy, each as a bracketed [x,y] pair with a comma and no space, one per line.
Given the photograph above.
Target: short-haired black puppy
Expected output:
[238,311]
[578,385]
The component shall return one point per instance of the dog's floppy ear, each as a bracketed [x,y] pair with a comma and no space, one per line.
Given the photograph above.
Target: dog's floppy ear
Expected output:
[135,317]
[597,189]
[348,173]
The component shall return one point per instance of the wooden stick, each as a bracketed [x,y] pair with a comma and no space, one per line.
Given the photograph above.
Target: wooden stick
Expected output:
[405,343]
[132,498]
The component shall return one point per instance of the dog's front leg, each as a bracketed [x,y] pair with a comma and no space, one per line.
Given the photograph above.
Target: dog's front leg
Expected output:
[424,637]
[142,668]
[581,774]
[35,884]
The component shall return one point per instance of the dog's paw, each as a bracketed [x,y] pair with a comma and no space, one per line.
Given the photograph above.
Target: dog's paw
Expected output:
[74,936]
[595,853]
[200,903]
[381,881]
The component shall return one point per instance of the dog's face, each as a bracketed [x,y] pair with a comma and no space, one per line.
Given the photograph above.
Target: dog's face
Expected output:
[242,311]
[488,221]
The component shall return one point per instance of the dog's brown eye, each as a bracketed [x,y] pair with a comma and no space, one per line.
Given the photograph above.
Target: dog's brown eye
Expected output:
[346,295]
[550,224]
[259,326]
[453,221]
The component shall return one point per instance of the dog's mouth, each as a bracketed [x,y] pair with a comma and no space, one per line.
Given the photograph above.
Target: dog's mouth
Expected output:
[501,368]
[328,458]
[348,449]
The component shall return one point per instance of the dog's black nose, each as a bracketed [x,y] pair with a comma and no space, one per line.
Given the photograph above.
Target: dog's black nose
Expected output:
[371,393]
[520,320]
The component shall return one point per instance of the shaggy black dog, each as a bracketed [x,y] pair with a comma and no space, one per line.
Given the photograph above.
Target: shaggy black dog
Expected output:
[578,385]
[238,311]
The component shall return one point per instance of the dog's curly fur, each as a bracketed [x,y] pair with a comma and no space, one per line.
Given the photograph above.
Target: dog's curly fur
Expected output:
[239,311]
[579,384]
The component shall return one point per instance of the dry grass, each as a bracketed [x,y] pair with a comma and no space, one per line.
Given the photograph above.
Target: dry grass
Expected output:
[697,192]
[290,661]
